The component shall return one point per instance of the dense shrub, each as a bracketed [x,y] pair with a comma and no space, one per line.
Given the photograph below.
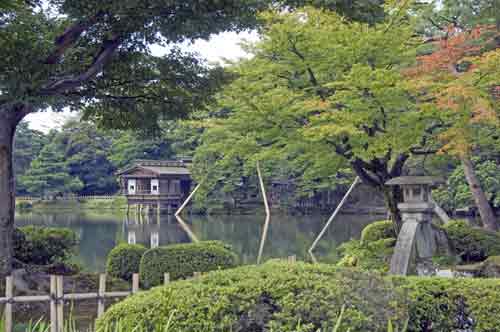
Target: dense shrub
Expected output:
[437,304]
[43,245]
[373,251]
[275,296]
[182,260]
[282,297]
[472,244]
[378,230]
[124,260]
[367,255]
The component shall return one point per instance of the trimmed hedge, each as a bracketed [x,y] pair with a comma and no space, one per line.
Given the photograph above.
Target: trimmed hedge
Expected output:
[302,297]
[182,260]
[437,304]
[124,260]
[271,297]
[472,244]
[44,245]
[378,230]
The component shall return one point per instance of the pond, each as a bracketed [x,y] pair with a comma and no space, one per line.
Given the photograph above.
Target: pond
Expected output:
[288,234]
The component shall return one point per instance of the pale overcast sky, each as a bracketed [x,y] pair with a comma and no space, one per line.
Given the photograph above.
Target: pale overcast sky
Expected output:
[219,47]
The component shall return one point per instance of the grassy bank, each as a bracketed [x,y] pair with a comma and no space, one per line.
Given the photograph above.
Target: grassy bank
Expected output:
[116,203]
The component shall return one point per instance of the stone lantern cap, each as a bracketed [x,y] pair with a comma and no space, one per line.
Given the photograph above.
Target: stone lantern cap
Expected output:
[415,181]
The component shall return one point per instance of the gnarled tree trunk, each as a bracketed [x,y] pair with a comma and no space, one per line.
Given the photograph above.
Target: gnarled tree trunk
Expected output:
[8,122]
[484,207]
[376,173]
[393,196]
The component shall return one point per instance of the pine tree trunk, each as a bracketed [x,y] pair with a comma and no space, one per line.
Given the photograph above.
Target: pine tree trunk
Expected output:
[8,123]
[485,210]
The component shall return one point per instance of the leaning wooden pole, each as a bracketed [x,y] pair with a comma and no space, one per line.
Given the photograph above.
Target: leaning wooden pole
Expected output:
[185,226]
[330,220]
[268,215]
[188,199]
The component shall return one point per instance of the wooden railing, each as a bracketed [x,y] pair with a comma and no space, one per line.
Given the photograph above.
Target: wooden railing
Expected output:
[57,297]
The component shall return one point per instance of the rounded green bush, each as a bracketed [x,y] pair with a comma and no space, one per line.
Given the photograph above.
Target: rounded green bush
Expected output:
[472,244]
[378,230]
[182,260]
[275,296]
[124,260]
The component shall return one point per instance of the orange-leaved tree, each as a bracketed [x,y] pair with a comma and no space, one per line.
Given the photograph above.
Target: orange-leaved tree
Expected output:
[460,81]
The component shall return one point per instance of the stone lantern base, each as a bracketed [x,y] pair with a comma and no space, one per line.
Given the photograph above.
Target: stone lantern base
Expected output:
[418,241]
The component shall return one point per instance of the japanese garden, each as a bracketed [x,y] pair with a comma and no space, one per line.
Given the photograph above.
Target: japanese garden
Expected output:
[252,165]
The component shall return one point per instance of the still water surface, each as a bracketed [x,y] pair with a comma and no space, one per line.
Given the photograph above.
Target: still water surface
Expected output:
[288,235]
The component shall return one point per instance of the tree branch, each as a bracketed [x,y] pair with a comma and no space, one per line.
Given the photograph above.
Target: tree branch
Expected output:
[68,83]
[357,165]
[397,167]
[69,37]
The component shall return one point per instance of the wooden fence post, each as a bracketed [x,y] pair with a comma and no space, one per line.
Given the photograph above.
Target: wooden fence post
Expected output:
[100,299]
[9,294]
[292,259]
[166,279]
[60,303]
[135,283]
[53,303]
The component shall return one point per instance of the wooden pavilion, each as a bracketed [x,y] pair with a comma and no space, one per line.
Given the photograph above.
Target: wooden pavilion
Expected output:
[161,185]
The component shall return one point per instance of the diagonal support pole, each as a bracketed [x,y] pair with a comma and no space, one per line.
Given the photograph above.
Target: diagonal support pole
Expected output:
[181,222]
[330,220]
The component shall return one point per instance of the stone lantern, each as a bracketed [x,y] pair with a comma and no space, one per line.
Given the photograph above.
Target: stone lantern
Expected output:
[419,240]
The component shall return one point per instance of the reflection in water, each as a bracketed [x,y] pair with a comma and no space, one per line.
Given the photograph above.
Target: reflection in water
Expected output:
[288,235]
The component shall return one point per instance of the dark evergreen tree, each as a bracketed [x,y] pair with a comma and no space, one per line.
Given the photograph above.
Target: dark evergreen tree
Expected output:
[49,174]
[27,145]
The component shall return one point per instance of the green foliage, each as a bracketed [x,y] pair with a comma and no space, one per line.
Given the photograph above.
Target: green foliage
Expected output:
[457,193]
[320,98]
[280,297]
[49,174]
[28,144]
[86,152]
[378,230]
[124,260]
[44,245]
[182,260]
[367,255]
[275,296]
[373,251]
[468,13]
[472,244]
[452,304]
[88,155]
[128,146]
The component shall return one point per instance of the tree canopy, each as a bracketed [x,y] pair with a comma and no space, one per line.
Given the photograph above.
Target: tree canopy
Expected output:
[320,91]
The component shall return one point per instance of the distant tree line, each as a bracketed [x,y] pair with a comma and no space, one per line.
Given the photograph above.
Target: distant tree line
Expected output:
[79,158]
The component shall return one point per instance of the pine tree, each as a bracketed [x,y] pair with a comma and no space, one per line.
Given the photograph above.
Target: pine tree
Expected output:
[49,174]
